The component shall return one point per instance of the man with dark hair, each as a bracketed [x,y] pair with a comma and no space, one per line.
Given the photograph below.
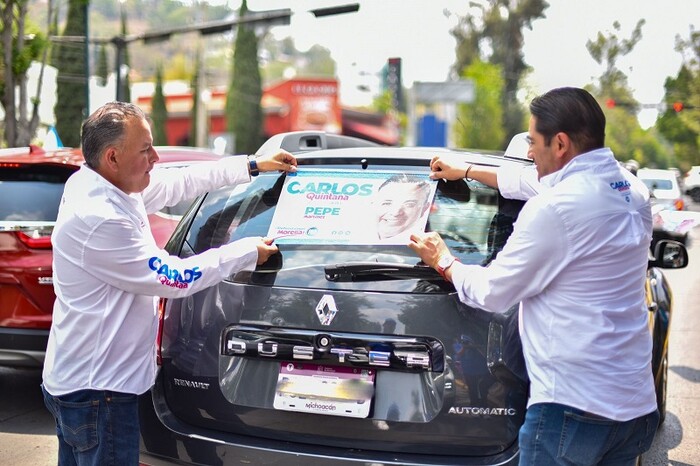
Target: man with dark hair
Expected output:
[576,262]
[107,270]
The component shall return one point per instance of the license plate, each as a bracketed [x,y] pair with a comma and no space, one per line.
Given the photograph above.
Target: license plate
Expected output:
[331,390]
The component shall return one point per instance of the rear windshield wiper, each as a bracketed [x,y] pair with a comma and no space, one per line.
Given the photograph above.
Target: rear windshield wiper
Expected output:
[377,271]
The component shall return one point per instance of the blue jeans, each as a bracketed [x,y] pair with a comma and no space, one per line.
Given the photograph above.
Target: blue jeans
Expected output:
[95,427]
[555,434]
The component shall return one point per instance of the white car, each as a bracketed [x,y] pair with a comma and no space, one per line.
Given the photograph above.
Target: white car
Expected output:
[691,183]
[664,187]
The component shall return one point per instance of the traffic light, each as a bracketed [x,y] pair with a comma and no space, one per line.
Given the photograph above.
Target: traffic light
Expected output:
[626,104]
[677,106]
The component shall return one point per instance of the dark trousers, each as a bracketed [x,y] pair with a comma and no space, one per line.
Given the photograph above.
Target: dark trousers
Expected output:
[95,427]
[559,435]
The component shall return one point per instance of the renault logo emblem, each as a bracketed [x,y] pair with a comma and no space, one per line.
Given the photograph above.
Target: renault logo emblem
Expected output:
[326,310]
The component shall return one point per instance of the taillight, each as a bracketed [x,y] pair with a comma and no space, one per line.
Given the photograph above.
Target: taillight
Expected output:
[679,204]
[159,335]
[36,239]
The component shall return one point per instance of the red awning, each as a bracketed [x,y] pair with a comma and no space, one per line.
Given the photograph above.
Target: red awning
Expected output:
[378,134]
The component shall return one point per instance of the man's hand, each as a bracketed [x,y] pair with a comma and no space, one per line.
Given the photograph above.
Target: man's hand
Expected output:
[282,161]
[443,168]
[265,250]
[429,246]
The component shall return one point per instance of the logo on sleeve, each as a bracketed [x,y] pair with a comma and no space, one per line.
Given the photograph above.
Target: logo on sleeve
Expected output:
[173,277]
[622,187]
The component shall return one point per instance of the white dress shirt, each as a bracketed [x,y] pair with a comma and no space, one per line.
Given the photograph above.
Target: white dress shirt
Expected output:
[107,271]
[576,262]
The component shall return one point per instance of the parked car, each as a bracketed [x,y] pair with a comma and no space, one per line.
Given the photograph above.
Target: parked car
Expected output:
[31,186]
[691,183]
[667,254]
[668,204]
[664,187]
[340,349]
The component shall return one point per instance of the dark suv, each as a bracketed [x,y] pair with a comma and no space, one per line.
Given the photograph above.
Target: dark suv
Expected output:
[334,351]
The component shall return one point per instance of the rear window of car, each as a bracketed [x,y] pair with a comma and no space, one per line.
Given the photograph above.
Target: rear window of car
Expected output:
[473,219]
[31,192]
[658,184]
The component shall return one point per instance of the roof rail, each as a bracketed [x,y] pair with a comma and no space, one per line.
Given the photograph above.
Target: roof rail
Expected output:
[308,141]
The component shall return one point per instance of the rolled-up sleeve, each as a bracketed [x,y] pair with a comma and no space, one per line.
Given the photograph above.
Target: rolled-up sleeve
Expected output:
[171,185]
[518,182]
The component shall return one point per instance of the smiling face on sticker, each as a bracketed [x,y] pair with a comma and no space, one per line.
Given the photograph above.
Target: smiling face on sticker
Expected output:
[399,203]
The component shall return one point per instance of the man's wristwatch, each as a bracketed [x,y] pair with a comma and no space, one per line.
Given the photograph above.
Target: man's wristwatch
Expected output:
[445,262]
[253,166]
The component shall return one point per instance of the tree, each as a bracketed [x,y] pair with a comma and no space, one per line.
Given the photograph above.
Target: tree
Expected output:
[606,49]
[319,62]
[23,43]
[623,133]
[69,58]
[496,36]
[283,54]
[479,122]
[159,112]
[681,125]
[628,140]
[178,68]
[243,110]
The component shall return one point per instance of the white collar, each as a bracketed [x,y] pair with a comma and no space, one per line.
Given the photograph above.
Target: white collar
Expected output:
[581,162]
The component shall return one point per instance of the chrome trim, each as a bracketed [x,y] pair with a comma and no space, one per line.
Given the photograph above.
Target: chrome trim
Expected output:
[303,352]
[268,349]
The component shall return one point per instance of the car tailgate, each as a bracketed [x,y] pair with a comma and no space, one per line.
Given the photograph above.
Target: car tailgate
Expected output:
[415,373]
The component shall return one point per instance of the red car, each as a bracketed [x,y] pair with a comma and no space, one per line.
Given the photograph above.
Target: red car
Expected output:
[31,186]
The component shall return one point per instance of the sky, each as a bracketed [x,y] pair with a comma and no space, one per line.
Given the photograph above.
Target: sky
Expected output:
[417,31]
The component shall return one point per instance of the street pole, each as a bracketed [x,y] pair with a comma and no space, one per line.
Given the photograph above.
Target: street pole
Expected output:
[119,46]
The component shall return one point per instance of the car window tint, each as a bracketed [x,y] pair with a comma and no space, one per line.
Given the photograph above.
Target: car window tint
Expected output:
[228,214]
[31,193]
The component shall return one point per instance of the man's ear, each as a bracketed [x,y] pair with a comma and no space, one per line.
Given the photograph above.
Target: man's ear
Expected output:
[562,144]
[109,159]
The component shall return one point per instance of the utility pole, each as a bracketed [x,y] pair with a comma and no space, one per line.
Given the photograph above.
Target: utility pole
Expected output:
[201,117]
[87,59]
[120,44]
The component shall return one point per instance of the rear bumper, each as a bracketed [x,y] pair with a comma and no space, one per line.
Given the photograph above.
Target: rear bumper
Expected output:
[23,347]
[166,440]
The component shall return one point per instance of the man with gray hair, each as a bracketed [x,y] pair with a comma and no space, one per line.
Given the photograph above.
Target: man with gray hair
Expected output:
[107,271]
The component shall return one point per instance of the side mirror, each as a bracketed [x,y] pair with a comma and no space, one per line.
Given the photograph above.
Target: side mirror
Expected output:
[669,254]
